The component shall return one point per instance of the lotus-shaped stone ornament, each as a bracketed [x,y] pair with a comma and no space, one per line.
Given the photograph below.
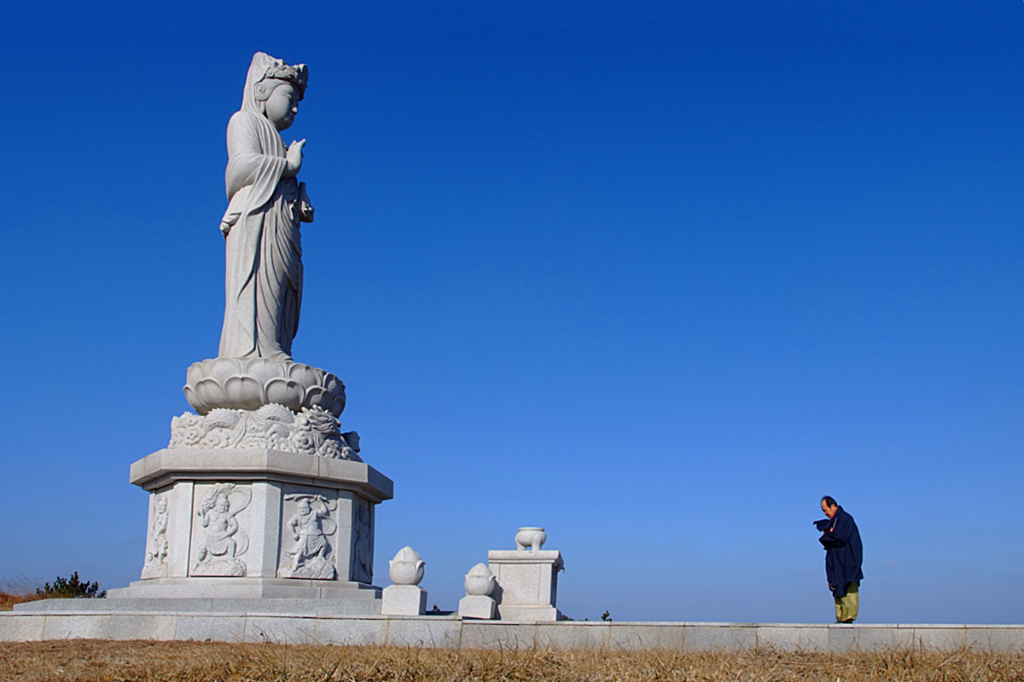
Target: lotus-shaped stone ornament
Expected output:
[251,383]
[406,568]
[480,582]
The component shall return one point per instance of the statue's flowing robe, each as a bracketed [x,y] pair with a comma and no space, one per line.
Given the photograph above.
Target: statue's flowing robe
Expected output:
[263,286]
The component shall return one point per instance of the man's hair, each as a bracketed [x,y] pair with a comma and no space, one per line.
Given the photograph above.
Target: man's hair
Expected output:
[829,500]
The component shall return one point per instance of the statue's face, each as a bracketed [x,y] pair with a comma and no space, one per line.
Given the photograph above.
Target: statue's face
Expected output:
[282,105]
[222,503]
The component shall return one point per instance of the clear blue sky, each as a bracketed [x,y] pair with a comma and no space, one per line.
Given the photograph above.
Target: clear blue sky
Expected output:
[653,275]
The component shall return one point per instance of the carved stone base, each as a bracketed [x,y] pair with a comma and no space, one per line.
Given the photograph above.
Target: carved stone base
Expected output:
[256,523]
[311,431]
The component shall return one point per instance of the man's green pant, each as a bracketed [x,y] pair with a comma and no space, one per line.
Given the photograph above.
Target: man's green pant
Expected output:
[846,606]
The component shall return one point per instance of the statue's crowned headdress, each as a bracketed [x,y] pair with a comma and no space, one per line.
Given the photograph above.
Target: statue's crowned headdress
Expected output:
[296,75]
[264,68]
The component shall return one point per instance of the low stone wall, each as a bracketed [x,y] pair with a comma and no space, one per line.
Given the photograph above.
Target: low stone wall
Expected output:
[450,632]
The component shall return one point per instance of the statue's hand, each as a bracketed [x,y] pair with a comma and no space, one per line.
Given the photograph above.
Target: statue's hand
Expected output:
[294,157]
[305,209]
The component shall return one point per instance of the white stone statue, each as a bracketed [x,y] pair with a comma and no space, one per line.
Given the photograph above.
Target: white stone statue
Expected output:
[261,226]
[241,467]
[263,278]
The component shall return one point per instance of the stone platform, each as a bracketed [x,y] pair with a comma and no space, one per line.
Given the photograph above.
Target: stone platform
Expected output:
[276,621]
[235,524]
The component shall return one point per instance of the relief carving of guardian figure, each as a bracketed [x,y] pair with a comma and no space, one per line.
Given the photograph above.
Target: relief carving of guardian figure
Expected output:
[156,541]
[221,540]
[311,556]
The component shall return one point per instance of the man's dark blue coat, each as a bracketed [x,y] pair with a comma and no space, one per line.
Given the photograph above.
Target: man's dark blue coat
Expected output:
[843,553]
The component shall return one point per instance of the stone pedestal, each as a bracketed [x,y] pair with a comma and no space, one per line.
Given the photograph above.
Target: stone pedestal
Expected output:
[527,584]
[477,606]
[403,600]
[257,524]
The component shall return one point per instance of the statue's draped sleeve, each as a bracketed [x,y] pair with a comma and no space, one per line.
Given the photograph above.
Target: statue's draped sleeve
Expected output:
[254,169]
[264,267]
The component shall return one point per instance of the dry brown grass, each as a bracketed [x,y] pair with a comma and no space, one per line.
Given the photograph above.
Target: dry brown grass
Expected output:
[16,591]
[103,661]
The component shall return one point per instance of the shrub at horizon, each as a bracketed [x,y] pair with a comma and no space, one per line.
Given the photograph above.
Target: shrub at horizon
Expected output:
[71,588]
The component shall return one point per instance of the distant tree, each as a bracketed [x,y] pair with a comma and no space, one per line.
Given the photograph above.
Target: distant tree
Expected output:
[71,588]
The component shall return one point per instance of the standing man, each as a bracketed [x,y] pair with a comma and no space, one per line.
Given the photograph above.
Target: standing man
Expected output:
[843,557]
